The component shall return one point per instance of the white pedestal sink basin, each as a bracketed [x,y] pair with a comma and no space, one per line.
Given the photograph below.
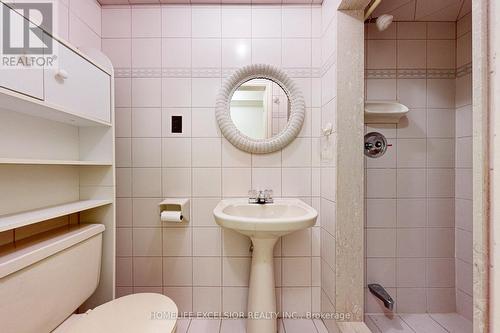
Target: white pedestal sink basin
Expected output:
[264,224]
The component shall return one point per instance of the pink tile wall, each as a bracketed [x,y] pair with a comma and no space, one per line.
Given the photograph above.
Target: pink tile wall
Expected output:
[410,191]
[463,164]
[171,60]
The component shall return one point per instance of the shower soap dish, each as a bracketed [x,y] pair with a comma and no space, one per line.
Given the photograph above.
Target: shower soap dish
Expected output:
[384,112]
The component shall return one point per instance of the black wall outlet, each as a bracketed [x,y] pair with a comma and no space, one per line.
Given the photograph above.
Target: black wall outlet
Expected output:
[176,124]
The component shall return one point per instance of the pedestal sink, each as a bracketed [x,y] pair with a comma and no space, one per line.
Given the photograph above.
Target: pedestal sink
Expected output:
[264,224]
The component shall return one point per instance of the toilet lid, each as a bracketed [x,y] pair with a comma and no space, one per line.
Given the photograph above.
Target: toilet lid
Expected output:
[145,313]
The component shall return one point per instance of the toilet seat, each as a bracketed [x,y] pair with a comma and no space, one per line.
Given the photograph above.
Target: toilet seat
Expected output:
[144,313]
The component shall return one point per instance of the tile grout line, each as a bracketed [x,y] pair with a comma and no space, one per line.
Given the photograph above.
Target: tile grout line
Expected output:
[221,232]
[281,261]
[191,147]
[310,161]
[437,322]
[410,326]
[161,145]
[426,243]
[375,323]
[316,327]
[131,159]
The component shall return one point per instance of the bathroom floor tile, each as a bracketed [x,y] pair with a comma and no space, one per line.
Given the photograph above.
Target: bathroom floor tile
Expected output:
[204,325]
[390,325]
[320,326]
[422,323]
[299,325]
[378,323]
[233,326]
[371,324]
[281,328]
[183,325]
[419,323]
[199,325]
[453,322]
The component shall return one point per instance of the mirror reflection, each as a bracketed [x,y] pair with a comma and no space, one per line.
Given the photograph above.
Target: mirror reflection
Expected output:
[260,108]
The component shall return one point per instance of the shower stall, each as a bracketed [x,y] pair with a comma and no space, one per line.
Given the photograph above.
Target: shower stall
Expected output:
[418,193]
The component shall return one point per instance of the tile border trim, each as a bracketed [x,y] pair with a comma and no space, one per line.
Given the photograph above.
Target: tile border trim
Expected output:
[418,73]
[208,72]
[464,70]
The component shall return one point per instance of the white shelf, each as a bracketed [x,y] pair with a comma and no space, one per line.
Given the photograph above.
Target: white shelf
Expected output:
[384,112]
[17,102]
[12,221]
[52,162]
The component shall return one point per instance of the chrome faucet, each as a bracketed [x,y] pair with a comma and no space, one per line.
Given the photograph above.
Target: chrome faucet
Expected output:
[260,197]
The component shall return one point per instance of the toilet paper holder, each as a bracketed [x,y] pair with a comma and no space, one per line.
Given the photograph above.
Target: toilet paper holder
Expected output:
[175,205]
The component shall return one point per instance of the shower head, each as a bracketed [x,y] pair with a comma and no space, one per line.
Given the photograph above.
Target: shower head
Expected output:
[384,21]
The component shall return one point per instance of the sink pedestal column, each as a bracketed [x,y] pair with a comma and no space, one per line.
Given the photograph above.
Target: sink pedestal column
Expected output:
[262,315]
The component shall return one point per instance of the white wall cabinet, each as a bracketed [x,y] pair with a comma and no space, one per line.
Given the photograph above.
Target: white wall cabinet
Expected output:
[76,84]
[73,85]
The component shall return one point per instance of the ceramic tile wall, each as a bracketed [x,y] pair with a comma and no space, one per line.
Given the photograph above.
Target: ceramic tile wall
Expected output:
[327,148]
[171,60]
[463,171]
[410,191]
[79,22]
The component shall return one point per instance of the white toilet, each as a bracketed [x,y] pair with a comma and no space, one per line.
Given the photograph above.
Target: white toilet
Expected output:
[43,282]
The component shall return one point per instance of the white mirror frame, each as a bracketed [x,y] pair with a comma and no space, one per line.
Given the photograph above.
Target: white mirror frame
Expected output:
[234,135]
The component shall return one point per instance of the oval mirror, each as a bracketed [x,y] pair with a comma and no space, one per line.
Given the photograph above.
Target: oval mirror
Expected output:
[260,109]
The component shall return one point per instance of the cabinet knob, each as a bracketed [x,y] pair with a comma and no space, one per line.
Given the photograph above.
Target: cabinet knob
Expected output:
[61,74]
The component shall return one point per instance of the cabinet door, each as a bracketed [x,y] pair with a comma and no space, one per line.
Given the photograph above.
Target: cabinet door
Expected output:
[25,79]
[28,81]
[77,85]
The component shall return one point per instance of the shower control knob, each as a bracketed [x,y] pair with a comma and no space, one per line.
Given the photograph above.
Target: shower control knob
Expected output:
[375,144]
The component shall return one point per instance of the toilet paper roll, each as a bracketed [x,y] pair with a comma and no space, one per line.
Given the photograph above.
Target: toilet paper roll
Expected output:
[171,216]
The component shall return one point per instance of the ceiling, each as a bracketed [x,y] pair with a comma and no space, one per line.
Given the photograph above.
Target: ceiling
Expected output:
[424,10]
[402,10]
[233,2]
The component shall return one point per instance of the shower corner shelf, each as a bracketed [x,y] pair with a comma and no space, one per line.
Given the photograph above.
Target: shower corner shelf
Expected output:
[384,112]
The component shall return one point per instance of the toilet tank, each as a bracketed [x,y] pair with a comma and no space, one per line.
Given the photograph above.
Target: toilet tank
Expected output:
[44,279]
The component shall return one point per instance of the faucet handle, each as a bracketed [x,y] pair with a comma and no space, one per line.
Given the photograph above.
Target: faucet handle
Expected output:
[268,196]
[252,194]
